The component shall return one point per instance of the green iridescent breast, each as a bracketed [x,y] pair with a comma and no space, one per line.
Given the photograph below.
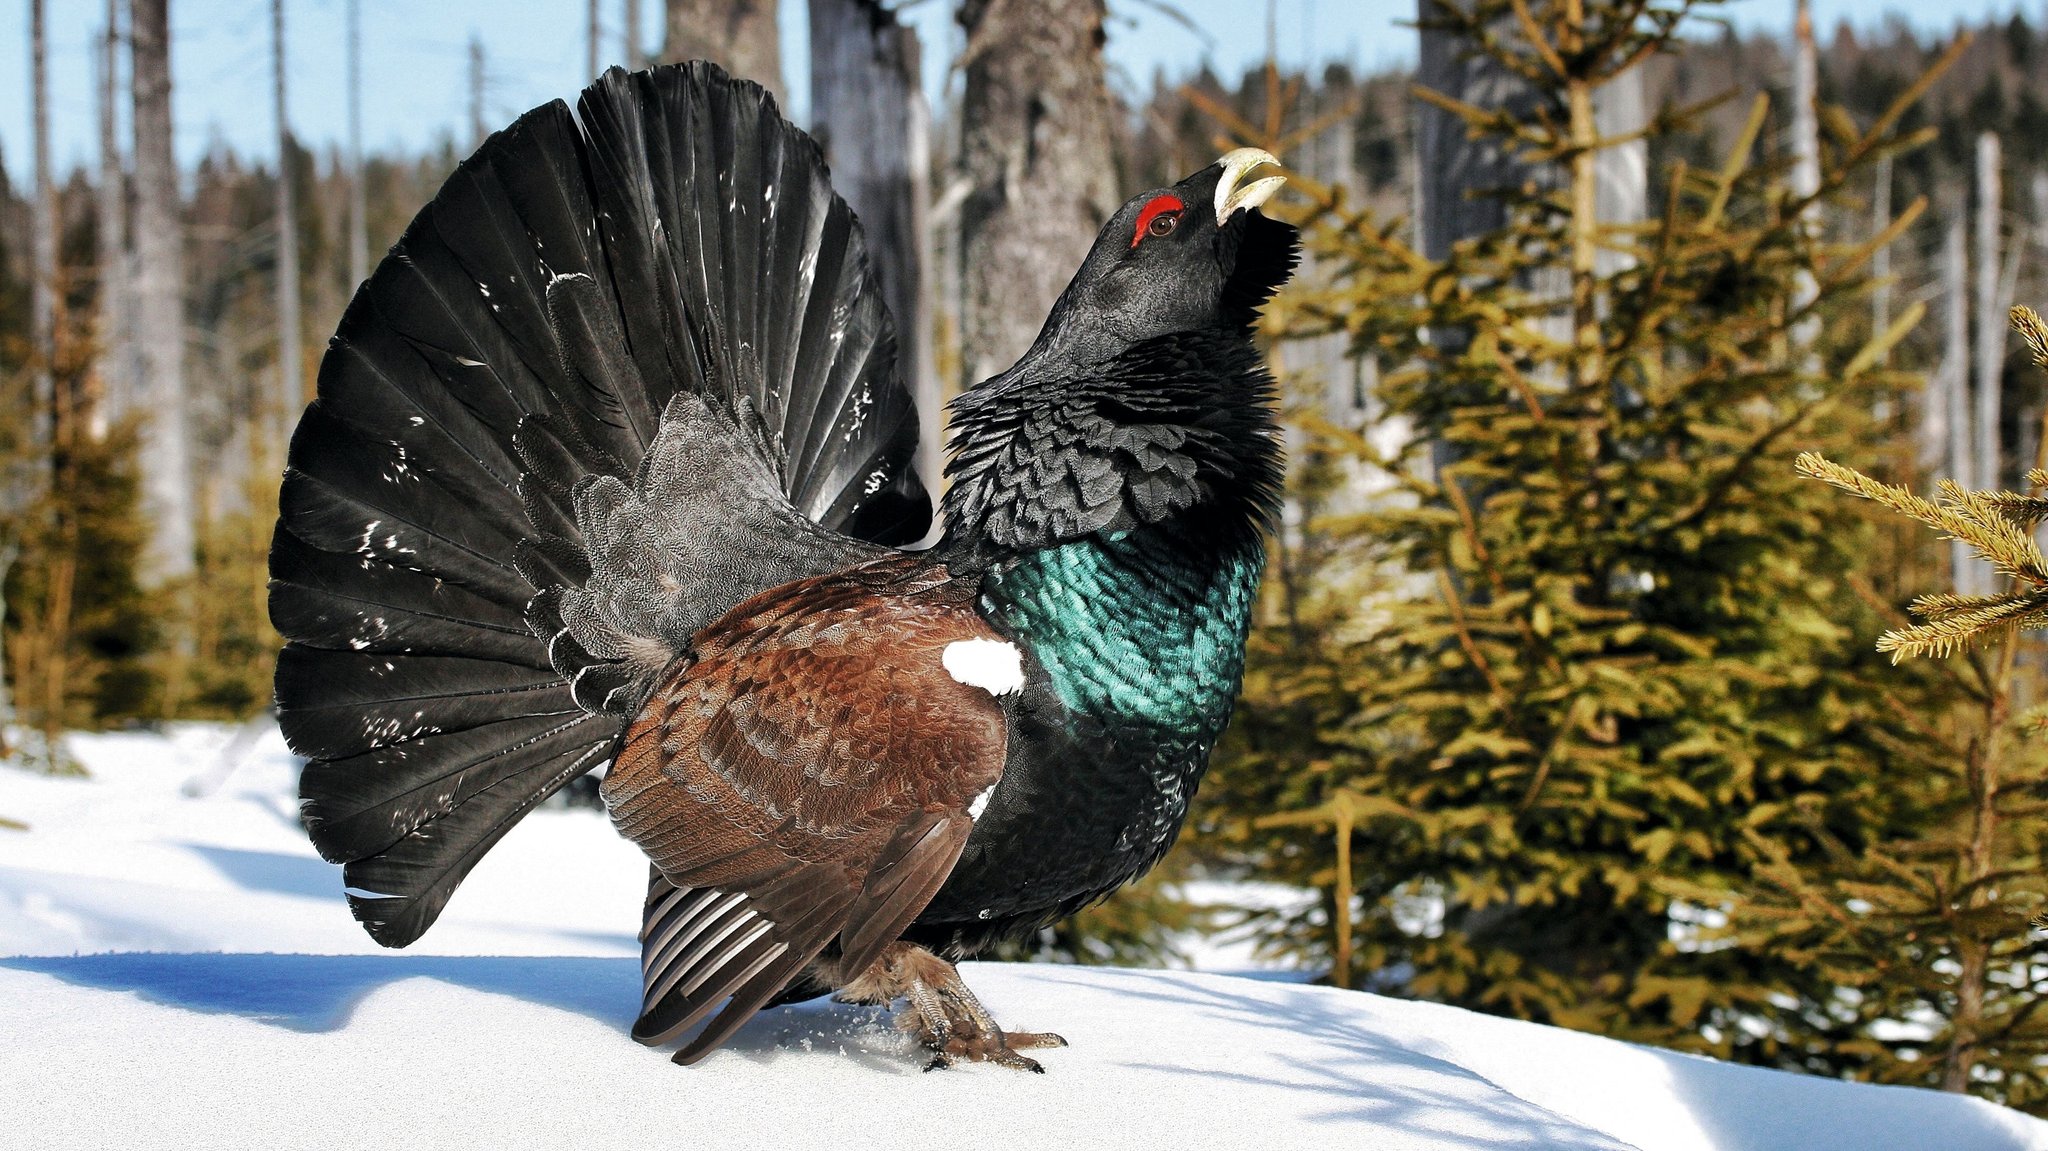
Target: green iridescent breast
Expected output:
[1143,631]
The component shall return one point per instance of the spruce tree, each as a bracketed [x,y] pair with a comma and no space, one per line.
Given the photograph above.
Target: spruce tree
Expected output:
[1596,666]
[1935,931]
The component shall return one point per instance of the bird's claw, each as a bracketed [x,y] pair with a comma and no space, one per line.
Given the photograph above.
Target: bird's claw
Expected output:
[970,1044]
[943,1014]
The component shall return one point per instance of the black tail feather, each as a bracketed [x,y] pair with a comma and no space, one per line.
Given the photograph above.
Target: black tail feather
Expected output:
[522,342]
[397,893]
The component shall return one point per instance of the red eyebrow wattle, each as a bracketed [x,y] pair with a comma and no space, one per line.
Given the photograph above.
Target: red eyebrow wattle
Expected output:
[1159,204]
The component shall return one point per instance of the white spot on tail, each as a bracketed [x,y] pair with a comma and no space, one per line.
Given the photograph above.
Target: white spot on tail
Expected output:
[980,803]
[989,664]
[365,893]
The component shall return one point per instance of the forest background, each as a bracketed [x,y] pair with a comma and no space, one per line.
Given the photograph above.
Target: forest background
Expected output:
[1564,700]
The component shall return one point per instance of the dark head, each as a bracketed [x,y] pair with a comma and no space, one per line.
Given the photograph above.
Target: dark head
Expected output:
[1144,395]
[1195,256]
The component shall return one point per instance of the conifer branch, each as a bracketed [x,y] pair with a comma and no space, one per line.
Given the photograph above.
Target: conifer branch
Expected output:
[1998,526]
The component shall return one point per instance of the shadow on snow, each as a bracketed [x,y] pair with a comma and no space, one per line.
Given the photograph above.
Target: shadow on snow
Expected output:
[1345,1063]
[317,992]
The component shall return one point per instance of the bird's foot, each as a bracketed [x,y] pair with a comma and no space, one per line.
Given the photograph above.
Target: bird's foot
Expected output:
[943,1014]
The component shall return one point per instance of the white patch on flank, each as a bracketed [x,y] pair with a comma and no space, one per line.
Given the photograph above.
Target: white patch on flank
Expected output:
[989,664]
[980,803]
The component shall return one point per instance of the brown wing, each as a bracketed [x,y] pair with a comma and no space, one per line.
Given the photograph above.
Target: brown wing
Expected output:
[808,775]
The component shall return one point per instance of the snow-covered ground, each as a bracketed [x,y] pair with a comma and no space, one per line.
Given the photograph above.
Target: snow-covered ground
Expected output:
[177,969]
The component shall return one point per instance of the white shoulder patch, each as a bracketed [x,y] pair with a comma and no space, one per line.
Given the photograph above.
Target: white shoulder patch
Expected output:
[980,803]
[989,664]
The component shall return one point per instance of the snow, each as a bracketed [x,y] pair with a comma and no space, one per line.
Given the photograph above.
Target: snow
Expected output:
[182,972]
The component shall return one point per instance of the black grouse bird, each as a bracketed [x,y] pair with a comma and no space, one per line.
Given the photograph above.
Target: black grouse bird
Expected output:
[610,464]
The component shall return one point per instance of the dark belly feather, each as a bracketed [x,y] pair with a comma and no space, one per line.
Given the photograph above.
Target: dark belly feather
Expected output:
[1136,650]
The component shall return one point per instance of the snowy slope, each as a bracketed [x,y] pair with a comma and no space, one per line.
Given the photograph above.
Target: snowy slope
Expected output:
[184,974]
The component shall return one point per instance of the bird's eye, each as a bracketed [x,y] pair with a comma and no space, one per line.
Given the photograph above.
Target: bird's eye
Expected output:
[1159,218]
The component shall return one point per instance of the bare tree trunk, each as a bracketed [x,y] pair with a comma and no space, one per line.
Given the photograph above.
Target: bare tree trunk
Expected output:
[1991,321]
[358,210]
[596,56]
[159,298]
[477,128]
[868,113]
[2039,193]
[10,551]
[1805,160]
[116,354]
[1449,164]
[1965,568]
[290,389]
[1981,766]
[1881,259]
[629,37]
[1622,171]
[43,280]
[1036,149]
[739,36]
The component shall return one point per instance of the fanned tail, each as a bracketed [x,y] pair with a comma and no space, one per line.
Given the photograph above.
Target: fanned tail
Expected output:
[614,379]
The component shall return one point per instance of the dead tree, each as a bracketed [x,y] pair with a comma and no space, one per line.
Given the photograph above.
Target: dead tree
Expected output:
[1035,149]
[290,388]
[1805,183]
[1989,343]
[868,113]
[1970,575]
[43,276]
[477,128]
[358,211]
[159,299]
[739,36]
[116,343]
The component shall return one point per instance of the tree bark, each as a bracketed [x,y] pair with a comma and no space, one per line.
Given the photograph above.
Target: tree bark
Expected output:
[1991,318]
[116,351]
[358,210]
[290,387]
[739,36]
[1971,575]
[1981,769]
[159,299]
[868,114]
[1036,150]
[43,279]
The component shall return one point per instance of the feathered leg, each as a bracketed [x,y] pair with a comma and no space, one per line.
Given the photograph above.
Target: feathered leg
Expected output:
[943,1014]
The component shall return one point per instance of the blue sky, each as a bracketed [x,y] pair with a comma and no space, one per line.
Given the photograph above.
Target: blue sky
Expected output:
[415,70]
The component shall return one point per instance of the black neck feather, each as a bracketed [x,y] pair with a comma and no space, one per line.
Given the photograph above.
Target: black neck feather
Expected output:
[1051,452]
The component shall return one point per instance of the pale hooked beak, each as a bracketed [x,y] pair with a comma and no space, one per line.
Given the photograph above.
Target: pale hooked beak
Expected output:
[1237,164]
